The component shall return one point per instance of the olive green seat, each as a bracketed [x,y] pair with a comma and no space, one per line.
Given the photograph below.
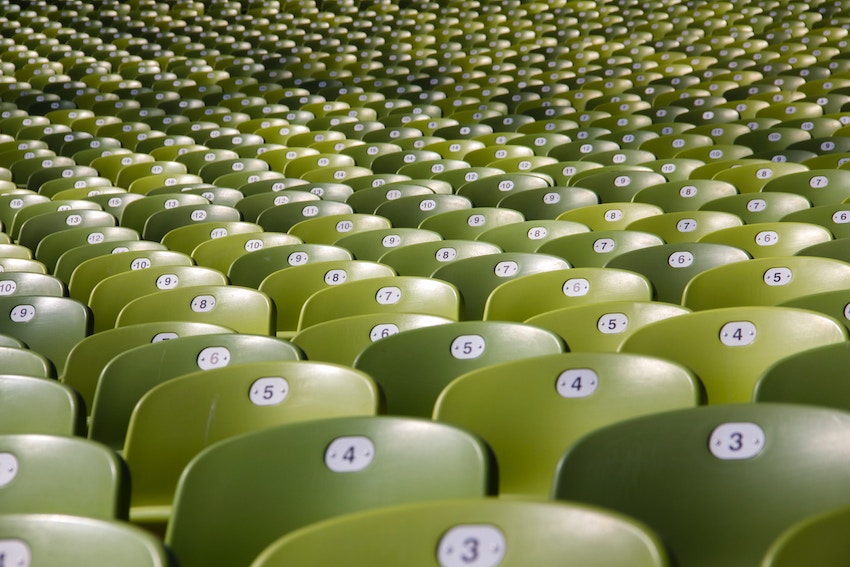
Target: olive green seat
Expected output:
[52,246]
[599,247]
[252,268]
[531,410]
[528,236]
[434,356]
[729,348]
[757,470]
[353,464]
[31,404]
[425,258]
[186,238]
[482,530]
[762,240]
[817,539]
[28,283]
[760,207]
[192,412]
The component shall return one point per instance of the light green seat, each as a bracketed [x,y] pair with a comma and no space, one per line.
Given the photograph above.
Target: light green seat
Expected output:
[407,460]
[819,186]
[834,217]
[533,294]
[603,326]
[367,200]
[252,268]
[92,271]
[685,194]
[818,539]
[136,214]
[599,247]
[620,186]
[71,259]
[528,236]
[194,411]
[387,294]
[58,474]
[88,357]
[245,310]
[468,224]
[130,374]
[477,276]
[549,202]
[757,470]
[423,259]
[112,294]
[331,228]
[161,223]
[52,246]
[543,534]
[610,216]
[50,326]
[339,341]
[254,205]
[765,281]
[373,244]
[489,191]
[290,288]
[68,541]
[729,348]
[413,210]
[761,207]
[751,178]
[434,356]
[186,238]
[220,253]
[832,303]
[37,209]
[531,410]
[283,217]
[762,240]
[686,226]
[22,265]
[31,404]
[670,267]
[35,229]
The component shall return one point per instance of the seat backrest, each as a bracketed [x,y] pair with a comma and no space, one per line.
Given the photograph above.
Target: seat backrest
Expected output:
[729,348]
[33,405]
[552,401]
[325,468]
[819,539]
[423,259]
[50,326]
[160,223]
[290,288]
[129,375]
[718,484]
[764,281]
[761,240]
[220,253]
[88,357]
[194,411]
[388,294]
[68,541]
[599,247]
[112,294]
[477,276]
[52,246]
[252,268]
[433,356]
[458,532]
[791,379]
[186,238]
[47,474]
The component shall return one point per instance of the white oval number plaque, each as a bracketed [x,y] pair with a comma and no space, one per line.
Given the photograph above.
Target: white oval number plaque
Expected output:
[471,545]
[736,441]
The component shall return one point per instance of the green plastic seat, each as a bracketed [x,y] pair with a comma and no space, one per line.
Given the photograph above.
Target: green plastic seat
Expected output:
[221,252]
[31,405]
[477,276]
[489,191]
[52,246]
[529,235]
[729,348]
[610,216]
[252,268]
[818,538]
[424,258]
[533,294]
[35,229]
[468,224]
[751,178]
[762,240]
[511,404]
[67,540]
[20,361]
[393,294]
[37,209]
[89,356]
[162,222]
[92,481]
[684,195]
[192,412]
[136,214]
[50,326]
[819,186]
[113,293]
[436,355]
[28,283]
[413,210]
[243,309]
[686,226]
[339,341]
[253,205]
[331,228]
[790,379]
[763,207]
[598,248]
[88,273]
[406,460]
[127,377]
[603,326]
[620,186]
[283,217]
[743,457]
[420,529]
[186,238]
